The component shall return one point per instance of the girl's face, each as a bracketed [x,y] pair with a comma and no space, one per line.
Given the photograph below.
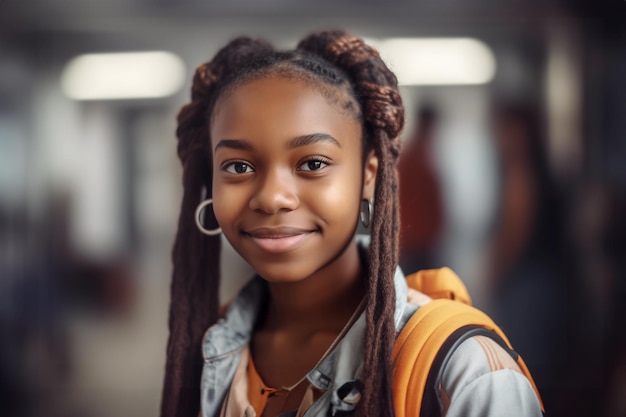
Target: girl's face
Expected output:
[288,177]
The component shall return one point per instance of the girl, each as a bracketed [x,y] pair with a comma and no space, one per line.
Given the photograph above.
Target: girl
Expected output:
[284,153]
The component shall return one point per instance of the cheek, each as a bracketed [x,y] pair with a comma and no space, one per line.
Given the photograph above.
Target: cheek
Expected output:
[339,197]
[225,205]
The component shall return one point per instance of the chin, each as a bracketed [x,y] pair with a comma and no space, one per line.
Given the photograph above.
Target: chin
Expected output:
[282,274]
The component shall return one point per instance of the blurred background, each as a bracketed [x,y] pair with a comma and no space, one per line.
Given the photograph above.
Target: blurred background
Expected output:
[513,173]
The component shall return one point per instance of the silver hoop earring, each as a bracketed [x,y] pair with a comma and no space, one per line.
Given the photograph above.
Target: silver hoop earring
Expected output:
[201,206]
[366,212]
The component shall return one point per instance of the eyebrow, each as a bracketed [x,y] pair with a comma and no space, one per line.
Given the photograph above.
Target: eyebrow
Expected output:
[298,141]
[237,144]
[311,139]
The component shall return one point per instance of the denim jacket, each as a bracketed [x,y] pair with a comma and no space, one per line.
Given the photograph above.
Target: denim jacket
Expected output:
[479,380]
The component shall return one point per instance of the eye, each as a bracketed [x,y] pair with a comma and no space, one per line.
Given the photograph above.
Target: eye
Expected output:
[237,167]
[313,164]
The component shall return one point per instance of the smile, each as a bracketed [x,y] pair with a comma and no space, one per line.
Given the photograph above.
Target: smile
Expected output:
[278,240]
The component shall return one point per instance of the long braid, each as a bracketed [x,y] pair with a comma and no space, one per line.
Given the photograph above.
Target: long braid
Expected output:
[195,282]
[383,113]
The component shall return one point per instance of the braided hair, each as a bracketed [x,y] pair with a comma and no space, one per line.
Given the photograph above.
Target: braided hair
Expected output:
[343,68]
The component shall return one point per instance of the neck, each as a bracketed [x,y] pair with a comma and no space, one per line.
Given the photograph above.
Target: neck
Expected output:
[325,299]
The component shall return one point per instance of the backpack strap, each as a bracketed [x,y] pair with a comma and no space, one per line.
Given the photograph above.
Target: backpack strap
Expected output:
[439,283]
[421,340]
[432,403]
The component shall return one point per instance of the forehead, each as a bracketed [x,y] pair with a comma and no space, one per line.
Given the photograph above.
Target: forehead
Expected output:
[339,94]
[285,105]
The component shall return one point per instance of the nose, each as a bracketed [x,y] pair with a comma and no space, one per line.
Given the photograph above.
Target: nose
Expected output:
[277,191]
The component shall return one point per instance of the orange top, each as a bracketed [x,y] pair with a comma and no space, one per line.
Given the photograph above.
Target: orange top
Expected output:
[258,393]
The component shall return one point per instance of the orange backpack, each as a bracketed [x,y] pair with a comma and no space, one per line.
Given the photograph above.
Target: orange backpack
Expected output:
[431,335]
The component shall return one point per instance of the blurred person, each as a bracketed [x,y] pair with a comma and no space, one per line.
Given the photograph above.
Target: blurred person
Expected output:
[34,354]
[283,153]
[421,205]
[598,230]
[44,282]
[528,278]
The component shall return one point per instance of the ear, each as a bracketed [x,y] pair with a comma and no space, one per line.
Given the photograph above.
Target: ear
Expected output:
[370,169]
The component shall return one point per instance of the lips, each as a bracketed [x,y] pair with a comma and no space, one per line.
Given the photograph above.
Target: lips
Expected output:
[278,239]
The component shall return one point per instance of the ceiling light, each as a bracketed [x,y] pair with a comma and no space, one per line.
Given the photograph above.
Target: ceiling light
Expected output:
[127,75]
[438,61]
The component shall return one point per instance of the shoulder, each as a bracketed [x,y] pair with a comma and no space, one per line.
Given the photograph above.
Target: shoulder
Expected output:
[448,352]
[482,379]
[234,327]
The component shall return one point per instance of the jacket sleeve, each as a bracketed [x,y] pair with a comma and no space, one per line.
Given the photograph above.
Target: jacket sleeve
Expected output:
[482,379]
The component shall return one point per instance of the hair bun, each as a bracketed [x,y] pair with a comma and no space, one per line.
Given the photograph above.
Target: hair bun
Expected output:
[235,53]
[375,85]
[384,108]
[339,47]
